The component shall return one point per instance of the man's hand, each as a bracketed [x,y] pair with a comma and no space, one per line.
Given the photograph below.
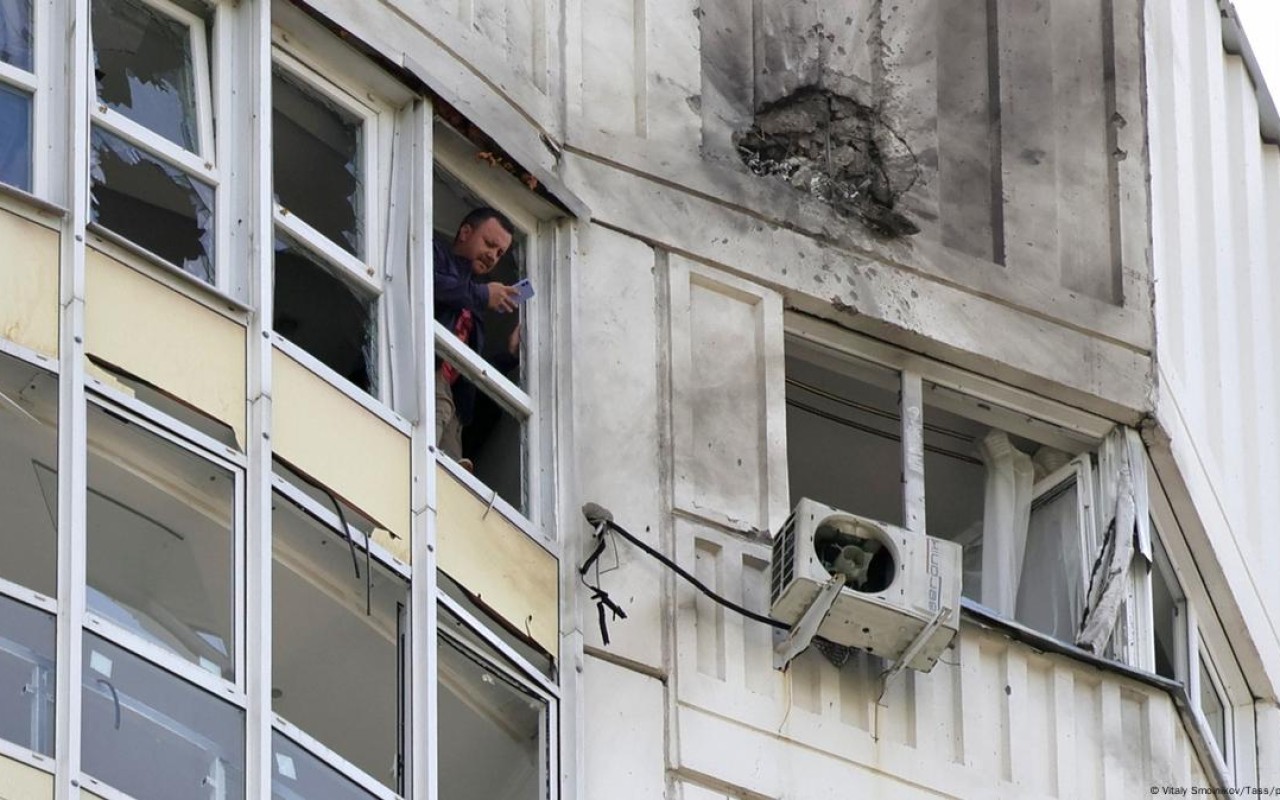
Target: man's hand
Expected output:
[502,298]
[513,341]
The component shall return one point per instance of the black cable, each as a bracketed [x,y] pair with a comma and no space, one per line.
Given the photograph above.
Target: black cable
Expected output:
[699,585]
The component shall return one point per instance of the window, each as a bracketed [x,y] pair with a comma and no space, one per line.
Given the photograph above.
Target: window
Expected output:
[1169,618]
[162,542]
[495,726]
[338,646]
[27,676]
[487,376]
[1211,700]
[153,735]
[28,445]
[331,157]
[17,92]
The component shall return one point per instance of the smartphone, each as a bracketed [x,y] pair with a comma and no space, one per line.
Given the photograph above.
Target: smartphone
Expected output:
[524,290]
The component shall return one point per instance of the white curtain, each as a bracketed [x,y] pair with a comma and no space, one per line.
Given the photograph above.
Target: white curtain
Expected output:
[1006,512]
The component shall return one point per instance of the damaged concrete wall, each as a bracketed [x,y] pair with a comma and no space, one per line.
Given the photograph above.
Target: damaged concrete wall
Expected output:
[988,125]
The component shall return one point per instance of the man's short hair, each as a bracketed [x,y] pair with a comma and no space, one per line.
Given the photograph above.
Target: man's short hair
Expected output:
[477,216]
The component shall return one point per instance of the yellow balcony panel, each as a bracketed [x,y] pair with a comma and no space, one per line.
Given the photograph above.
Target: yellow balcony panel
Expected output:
[330,437]
[496,561]
[172,342]
[19,781]
[29,284]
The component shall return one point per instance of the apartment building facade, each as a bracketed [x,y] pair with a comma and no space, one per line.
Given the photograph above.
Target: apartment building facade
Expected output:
[998,273]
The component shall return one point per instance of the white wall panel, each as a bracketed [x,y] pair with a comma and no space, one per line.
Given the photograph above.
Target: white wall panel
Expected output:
[995,718]
[1215,189]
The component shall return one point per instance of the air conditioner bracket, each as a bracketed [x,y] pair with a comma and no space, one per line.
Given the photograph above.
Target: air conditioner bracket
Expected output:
[795,641]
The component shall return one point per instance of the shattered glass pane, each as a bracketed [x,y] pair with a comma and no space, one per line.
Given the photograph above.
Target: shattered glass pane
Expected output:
[325,315]
[144,68]
[317,153]
[15,33]
[153,204]
[15,138]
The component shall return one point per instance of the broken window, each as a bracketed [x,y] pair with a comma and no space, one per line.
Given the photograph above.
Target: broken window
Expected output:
[152,175]
[28,444]
[16,35]
[161,528]
[325,314]
[145,68]
[329,275]
[153,204]
[338,644]
[494,726]
[847,409]
[15,137]
[27,675]
[318,161]
[152,735]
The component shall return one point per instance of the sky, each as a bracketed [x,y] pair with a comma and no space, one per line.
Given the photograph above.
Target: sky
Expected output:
[1261,20]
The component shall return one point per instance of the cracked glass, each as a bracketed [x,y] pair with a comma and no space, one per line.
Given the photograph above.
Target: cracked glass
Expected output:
[317,152]
[15,33]
[153,204]
[15,138]
[326,315]
[144,68]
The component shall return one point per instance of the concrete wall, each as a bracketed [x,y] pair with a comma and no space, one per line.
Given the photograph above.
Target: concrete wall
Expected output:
[1215,190]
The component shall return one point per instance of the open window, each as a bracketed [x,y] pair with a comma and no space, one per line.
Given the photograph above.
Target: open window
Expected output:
[338,653]
[17,92]
[1211,702]
[484,380]
[162,530]
[153,169]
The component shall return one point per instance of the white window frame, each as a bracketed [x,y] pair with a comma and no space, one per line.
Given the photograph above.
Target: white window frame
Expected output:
[13,77]
[328,518]
[200,164]
[49,605]
[1224,750]
[233,691]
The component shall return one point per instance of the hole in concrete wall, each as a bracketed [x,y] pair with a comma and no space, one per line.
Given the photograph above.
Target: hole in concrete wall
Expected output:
[838,150]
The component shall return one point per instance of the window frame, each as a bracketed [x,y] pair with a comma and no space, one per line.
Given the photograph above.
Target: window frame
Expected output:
[201,165]
[234,691]
[48,606]
[28,82]
[328,518]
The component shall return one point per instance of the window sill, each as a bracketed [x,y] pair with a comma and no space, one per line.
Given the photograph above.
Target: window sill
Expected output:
[508,511]
[28,202]
[1197,730]
[152,265]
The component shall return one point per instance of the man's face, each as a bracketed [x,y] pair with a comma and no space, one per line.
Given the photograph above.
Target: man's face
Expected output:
[483,245]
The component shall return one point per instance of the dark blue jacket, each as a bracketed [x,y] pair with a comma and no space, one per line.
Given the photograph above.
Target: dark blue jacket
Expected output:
[456,288]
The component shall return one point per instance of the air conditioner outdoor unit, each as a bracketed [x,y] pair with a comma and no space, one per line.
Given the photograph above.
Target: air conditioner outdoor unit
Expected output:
[900,586]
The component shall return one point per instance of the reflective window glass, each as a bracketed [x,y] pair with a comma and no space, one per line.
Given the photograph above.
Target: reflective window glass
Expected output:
[15,33]
[28,446]
[27,676]
[493,731]
[298,775]
[153,735]
[160,525]
[143,66]
[1213,708]
[337,644]
[156,205]
[326,315]
[15,138]
[1051,587]
[317,152]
